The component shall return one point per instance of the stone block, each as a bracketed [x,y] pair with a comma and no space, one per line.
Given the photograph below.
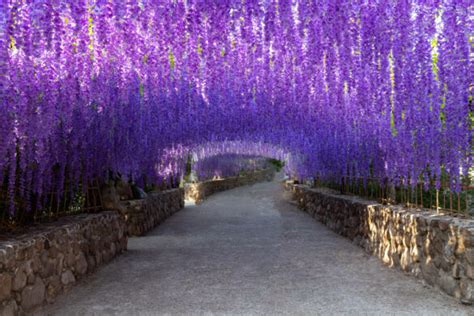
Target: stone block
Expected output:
[9,309]
[469,254]
[33,295]
[469,270]
[54,287]
[81,263]
[20,278]
[67,277]
[5,286]
[467,291]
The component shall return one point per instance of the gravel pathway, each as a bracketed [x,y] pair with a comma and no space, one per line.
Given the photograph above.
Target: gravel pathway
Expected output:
[248,251]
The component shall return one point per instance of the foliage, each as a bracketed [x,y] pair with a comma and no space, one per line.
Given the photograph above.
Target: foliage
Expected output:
[334,87]
[276,163]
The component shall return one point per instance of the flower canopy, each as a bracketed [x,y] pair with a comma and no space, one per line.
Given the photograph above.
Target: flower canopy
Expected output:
[342,88]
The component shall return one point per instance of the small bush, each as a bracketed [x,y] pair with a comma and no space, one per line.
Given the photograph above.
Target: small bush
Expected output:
[278,164]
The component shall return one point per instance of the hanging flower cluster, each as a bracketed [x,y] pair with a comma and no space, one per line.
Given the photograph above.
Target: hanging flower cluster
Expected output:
[346,88]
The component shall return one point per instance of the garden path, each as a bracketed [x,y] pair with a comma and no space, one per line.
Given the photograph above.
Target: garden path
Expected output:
[248,251]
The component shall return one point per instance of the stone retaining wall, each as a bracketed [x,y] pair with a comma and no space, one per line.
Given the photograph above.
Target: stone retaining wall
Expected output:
[145,214]
[50,258]
[199,191]
[437,248]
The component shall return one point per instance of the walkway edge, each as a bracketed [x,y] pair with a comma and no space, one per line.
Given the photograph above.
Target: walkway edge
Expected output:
[436,248]
[48,260]
[201,190]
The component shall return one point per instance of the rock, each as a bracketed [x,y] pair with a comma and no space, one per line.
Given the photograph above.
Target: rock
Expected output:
[469,253]
[81,264]
[53,252]
[31,279]
[35,264]
[20,254]
[113,248]
[447,283]
[54,288]
[33,295]
[470,271]
[442,263]
[30,268]
[10,309]
[70,258]
[67,277]
[5,286]
[468,238]
[9,257]
[49,268]
[416,270]
[448,251]
[19,281]
[90,263]
[467,292]
[39,244]
[444,224]
[3,256]
[60,265]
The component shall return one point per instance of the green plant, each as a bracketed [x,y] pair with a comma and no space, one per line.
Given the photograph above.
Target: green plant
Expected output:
[278,164]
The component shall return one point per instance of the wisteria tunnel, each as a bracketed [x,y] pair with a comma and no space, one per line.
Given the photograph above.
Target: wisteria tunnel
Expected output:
[114,112]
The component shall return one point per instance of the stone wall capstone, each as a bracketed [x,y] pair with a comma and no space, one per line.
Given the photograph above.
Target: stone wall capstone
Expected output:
[50,258]
[145,214]
[200,190]
[434,247]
